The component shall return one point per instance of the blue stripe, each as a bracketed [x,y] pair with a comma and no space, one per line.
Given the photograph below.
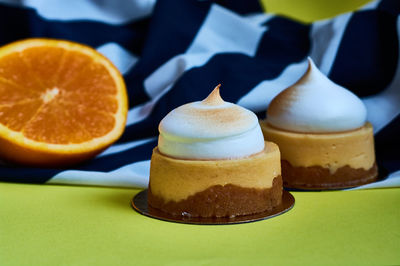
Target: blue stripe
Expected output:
[285,42]
[387,144]
[173,27]
[390,6]
[240,6]
[104,164]
[26,174]
[367,56]
[115,161]
[19,23]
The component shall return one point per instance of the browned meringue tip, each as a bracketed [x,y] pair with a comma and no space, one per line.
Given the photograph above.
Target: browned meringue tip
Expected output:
[281,102]
[305,77]
[214,98]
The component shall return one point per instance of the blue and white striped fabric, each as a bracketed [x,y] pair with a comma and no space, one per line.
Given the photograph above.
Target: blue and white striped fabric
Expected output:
[174,52]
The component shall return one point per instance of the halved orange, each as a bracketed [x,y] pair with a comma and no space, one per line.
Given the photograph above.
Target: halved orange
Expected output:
[60,102]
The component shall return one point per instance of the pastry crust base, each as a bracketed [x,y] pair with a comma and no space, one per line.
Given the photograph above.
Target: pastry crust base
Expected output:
[316,177]
[223,201]
[325,161]
[216,188]
[175,179]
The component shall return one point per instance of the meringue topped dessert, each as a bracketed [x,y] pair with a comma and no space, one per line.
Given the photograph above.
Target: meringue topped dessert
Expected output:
[322,131]
[212,161]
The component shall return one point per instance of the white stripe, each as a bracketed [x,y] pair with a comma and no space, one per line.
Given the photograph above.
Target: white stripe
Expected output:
[120,57]
[132,175]
[160,81]
[259,18]
[221,31]
[113,12]
[260,96]
[326,36]
[393,180]
[225,31]
[371,5]
[142,111]
[125,146]
[385,106]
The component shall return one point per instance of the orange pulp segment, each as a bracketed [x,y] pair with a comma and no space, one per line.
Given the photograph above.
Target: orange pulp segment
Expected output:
[60,102]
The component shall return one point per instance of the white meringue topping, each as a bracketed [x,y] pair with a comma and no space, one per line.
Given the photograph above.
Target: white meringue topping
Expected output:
[315,104]
[210,129]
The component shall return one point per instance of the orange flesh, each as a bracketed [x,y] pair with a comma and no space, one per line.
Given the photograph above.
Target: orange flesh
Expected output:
[56,96]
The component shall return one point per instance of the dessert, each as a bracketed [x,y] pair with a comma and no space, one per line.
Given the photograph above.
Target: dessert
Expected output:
[212,161]
[322,133]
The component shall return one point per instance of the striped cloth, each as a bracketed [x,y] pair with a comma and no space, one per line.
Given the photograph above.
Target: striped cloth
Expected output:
[174,52]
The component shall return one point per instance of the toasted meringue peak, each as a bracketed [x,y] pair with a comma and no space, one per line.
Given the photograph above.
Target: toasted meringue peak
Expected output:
[210,129]
[214,98]
[315,104]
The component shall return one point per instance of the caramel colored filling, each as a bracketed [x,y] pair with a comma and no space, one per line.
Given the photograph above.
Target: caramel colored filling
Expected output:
[331,151]
[316,177]
[176,179]
[222,201]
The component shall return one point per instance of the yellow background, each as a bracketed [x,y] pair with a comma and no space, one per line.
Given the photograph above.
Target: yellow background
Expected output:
[311,10]
[66,225]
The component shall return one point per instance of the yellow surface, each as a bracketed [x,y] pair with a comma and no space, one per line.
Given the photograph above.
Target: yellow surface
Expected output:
[311,10]
[56,225]
[334,150]
[169,177]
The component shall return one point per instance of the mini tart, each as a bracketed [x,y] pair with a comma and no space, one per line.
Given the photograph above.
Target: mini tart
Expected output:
[325,161]
[216,188]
